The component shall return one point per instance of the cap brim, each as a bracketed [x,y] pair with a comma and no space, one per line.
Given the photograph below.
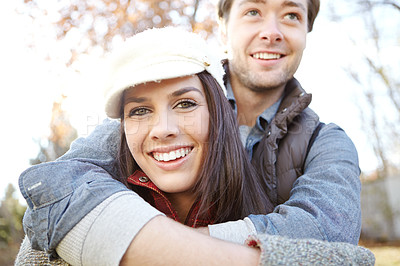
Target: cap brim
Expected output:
[131,76]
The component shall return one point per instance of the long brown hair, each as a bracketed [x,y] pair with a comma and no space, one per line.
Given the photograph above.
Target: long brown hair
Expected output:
[227,183]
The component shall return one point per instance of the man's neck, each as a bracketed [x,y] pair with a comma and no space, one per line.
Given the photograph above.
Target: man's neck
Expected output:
[250,104]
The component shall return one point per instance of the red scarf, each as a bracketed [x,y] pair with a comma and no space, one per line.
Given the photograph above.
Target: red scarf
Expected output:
[158,200]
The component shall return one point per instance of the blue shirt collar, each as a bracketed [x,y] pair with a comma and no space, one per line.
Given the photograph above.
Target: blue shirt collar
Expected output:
[264,118]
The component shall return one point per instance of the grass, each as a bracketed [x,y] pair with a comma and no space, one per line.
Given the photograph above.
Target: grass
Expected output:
[385,253]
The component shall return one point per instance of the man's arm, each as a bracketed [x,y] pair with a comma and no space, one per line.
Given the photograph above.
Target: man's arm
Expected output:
[60,194]
[192,248]
[325,202]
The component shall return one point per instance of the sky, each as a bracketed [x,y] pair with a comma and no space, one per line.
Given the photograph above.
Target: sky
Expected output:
[30,83]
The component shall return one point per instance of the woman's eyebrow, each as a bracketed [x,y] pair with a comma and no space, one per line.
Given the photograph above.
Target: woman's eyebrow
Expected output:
[135,100]
[185,90]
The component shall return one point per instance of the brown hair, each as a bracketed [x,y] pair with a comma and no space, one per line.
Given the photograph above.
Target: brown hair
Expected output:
[228,182]
[224,9]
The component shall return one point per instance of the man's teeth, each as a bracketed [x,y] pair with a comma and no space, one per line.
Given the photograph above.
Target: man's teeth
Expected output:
[266,56]
[172,155]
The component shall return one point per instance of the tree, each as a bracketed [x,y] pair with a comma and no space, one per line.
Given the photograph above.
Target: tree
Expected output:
[90,25]
[61,136]
[376,73]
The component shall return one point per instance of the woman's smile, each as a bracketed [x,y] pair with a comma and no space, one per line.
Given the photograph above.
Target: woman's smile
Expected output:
[172,155]
[173,160]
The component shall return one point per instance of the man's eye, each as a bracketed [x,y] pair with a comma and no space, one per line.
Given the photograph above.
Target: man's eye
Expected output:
[139,112]
[253,13]
[186,104]
[292,16]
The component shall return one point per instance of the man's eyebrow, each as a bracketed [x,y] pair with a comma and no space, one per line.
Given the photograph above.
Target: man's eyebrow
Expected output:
[185,90]
[252,1]
[294,4]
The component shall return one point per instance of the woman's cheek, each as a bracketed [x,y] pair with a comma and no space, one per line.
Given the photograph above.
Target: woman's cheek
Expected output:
[135,135]
[196,123]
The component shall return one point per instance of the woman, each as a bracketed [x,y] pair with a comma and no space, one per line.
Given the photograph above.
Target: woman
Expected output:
[180,149]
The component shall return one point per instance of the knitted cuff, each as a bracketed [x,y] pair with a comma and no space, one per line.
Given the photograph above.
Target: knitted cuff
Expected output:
[278,250]
[236,232]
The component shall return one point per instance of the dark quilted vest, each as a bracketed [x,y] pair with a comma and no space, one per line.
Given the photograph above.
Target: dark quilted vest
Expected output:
[280,155]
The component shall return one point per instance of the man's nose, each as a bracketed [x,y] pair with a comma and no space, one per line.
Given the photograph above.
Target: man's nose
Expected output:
[164,126]
[270,30]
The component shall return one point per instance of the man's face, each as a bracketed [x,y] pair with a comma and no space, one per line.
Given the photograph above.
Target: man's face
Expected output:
[265,41]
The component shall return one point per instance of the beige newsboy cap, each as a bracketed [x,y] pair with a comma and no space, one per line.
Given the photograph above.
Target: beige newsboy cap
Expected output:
[154,55]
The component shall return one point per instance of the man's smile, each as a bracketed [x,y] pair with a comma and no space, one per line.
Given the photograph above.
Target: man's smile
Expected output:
[266,56]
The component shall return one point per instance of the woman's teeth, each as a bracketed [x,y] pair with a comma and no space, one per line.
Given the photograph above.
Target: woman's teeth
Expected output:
[172,155]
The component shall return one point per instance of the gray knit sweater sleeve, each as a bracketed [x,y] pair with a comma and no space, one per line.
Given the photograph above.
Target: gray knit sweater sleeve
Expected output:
[278,250]
[28,256]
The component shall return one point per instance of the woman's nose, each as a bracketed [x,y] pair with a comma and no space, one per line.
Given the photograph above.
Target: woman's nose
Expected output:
[164,126]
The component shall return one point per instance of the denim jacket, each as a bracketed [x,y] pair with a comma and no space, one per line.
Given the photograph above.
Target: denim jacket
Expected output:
[324,203]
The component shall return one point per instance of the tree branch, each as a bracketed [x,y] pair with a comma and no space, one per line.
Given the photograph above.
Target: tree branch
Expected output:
[381,3]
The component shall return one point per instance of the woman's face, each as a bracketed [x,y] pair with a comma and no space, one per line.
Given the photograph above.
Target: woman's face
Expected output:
[166,125]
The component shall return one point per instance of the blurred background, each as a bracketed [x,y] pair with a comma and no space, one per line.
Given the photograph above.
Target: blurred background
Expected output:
[50,54]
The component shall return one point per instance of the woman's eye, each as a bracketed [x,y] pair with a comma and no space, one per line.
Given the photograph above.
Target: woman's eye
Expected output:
[252,13]
[138,112]
[186,104]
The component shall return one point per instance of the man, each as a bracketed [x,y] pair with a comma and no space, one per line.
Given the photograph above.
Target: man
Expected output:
[312,168]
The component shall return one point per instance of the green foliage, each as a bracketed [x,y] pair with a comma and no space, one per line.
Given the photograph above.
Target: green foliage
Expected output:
[11,213]
[11,232]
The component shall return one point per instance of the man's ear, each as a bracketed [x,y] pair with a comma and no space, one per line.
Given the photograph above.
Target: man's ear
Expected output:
[222,32]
